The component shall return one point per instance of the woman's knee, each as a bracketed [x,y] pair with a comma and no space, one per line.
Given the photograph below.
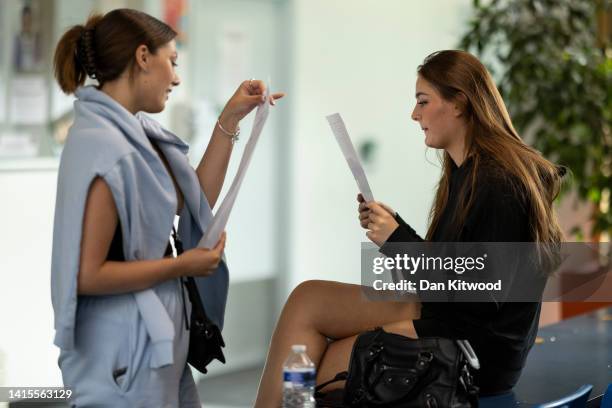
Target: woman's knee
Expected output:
[305,297]
[306,291]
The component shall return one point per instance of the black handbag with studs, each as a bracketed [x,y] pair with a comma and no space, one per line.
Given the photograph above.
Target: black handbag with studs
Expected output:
[390,370]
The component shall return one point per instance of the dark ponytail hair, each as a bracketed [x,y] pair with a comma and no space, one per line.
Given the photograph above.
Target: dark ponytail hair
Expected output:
[104,47]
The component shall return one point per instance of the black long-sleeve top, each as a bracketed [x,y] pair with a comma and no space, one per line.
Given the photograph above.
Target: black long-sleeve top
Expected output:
[501,333]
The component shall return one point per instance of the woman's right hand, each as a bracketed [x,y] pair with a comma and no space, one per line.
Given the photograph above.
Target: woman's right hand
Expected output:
[201,261]
[364,211]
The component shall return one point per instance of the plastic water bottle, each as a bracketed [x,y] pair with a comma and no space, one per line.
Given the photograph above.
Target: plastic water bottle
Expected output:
[298,379]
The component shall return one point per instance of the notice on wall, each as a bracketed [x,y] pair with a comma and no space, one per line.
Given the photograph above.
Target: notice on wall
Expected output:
[29,104]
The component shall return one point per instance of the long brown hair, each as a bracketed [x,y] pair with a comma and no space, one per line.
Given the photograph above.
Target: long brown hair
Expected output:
[104,47]
[491,138]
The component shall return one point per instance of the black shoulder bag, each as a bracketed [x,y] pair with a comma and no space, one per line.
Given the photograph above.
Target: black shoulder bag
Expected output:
[205,340]
[389,370]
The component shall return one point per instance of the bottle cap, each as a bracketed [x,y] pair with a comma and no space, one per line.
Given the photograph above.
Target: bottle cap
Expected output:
[298,348]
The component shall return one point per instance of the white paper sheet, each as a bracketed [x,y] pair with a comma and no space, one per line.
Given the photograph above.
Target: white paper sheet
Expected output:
[219,221]
[348,150]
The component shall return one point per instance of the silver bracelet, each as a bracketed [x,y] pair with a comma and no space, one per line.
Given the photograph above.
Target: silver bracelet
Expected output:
[234,135]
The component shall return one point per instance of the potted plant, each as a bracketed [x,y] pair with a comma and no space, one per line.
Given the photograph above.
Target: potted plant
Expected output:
[553,64]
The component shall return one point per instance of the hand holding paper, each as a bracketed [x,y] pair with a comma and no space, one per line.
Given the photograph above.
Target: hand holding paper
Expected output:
[202,261]
[219,221]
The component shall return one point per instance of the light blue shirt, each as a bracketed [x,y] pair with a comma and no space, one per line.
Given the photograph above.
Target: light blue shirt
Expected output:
[107,141]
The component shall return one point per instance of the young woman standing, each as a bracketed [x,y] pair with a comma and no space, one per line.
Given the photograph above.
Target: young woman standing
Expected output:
[120,306]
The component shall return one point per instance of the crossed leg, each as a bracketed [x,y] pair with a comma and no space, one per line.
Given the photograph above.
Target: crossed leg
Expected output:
[320,310]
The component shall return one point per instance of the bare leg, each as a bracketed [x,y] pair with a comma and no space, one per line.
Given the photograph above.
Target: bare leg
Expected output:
[338,353]
[318,310]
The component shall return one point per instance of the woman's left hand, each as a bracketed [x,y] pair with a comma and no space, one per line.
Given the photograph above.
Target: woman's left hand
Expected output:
[381,223]
[249,94]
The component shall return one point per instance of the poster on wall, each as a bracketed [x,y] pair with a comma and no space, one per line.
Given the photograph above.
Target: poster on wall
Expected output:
[29,102]
[3,43]
[3,50]
[234,56]
[17,144]
[27,46]
[2,99]
[175,15]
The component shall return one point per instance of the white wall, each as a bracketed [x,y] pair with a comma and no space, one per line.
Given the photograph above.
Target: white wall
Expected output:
[358,58]
[26,336]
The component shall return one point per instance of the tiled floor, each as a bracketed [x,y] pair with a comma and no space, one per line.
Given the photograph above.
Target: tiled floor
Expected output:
[237,390]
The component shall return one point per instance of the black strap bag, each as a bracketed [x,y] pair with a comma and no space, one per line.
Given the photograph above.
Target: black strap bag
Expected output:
[389,370]
[205,339]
